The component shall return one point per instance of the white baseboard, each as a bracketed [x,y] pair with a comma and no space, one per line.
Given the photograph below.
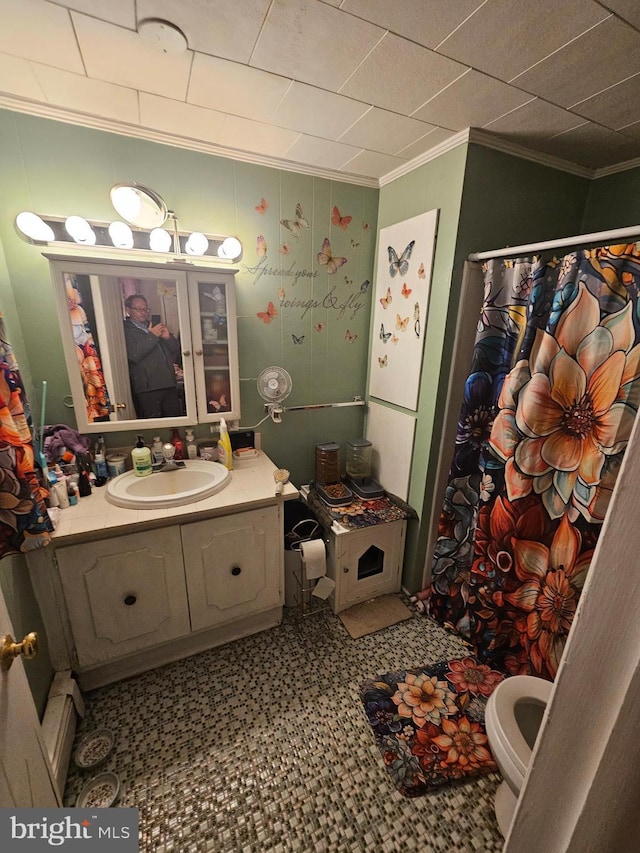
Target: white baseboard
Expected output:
[64,708]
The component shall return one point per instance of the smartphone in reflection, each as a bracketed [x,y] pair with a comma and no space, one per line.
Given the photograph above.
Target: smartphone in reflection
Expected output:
[155,319]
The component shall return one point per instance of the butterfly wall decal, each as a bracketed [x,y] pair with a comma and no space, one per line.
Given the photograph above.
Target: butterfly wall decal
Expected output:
[319,327]
[215,295]
[399,264]
[384,336]
[348,281]
[386,300]
[297,340]
[416,319]
[261,246]
[401,324]
[327,260]
[268,315]
[382,361]
[262,207]
[281,293]
[284,249]
[340,221]
[365,286]
[421,272]
[365,226]
[394,339]
[349,338]
[163,290]
[297,224]
[406,291]
[354,245]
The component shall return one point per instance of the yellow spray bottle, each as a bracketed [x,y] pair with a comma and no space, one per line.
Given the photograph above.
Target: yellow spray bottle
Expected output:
[224,446]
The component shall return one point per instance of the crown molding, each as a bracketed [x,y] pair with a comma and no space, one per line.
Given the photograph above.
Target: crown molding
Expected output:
[470,135]
[426,157]
[36,108]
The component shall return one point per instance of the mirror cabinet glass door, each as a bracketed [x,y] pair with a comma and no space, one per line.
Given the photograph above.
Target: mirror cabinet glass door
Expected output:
[127,333]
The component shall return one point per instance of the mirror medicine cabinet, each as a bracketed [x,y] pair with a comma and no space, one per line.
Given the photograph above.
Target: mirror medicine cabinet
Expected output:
[144,343]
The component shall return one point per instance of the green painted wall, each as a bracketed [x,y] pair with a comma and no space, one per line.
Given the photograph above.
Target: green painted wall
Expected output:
[59,169]
[613,202]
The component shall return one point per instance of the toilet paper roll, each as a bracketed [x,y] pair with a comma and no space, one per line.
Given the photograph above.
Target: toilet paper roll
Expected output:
[314,558]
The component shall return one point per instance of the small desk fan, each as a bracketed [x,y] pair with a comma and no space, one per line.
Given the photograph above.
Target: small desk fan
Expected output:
[274,386]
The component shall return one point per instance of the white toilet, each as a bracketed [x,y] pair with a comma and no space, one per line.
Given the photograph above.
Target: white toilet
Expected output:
[512,719]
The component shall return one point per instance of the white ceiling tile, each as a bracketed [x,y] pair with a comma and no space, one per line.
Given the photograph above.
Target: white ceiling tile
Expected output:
[421,146]
[17,78]
[535,120]
[313,43]
[615,107]
[401,76]
[223,28]
[572,74]
[384,131]
[122,12]
[504,38]
[372,163]
[317,112]
[93,97]
[52,41]
[181,119]
[320,152]
[247,135]
[590,145]
[120,56]
[427,22]
[235,88]
[471,101]
[627,9]
[632,130]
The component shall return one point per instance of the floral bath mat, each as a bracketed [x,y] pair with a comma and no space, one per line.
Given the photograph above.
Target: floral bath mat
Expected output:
[429,723]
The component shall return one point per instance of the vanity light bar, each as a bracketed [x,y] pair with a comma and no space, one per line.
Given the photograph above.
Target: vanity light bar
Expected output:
[74,230]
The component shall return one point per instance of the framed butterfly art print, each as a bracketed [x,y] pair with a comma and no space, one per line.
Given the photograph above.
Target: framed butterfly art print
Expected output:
[403,281]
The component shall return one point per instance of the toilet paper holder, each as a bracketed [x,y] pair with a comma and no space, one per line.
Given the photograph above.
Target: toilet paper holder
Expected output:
[308,604]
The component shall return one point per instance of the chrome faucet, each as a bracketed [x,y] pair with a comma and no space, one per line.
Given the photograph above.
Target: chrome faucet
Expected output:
[168,452]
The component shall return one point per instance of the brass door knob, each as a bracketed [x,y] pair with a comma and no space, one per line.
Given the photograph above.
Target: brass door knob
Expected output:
[28,648]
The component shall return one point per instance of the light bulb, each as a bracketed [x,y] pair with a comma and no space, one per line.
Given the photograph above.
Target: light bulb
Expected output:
[230,248]
[33,227]
[80,230]
[121,235]
[197,244]
[160,240]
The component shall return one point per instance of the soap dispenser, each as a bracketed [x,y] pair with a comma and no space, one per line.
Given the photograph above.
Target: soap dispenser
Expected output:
[192,447]
[141,458]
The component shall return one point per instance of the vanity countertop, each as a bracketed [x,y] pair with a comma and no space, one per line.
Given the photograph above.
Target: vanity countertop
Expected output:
[252,485]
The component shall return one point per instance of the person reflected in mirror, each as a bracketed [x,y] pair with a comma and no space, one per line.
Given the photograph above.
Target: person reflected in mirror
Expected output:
[153,354]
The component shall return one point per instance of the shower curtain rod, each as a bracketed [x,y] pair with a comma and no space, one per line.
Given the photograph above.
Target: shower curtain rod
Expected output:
[595,237]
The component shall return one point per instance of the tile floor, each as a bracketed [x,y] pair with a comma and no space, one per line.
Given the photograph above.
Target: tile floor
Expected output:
[262,746]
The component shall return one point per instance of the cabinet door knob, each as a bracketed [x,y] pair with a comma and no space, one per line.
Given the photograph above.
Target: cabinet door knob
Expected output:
[186,353]
[236,571]
[345,569]
[130,599]
[198,352]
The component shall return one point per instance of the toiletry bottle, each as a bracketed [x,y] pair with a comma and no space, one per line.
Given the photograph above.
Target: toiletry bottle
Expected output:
[156,450]
[62,491]
[224,446]
[141,458]
[53,495]
[100,460]
[72,494]
[177,443]
[84,484]
[192,447]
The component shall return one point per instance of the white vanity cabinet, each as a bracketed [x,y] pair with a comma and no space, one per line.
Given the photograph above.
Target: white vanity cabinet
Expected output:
[122,604]
[231,566]
[124,594]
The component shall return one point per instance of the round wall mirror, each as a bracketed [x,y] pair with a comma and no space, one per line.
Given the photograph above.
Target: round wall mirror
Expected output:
[139,205]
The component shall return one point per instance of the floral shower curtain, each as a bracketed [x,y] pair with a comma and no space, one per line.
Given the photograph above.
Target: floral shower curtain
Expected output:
[548,409]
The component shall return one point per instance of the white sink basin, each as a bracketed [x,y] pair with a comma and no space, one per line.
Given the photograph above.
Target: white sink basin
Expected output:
[197,480]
